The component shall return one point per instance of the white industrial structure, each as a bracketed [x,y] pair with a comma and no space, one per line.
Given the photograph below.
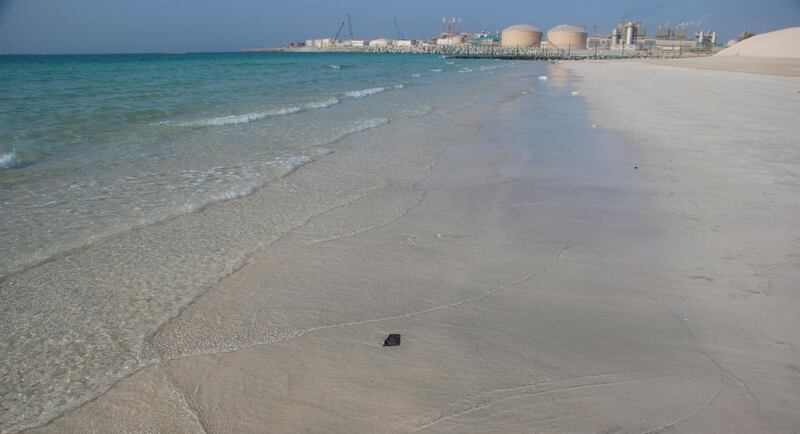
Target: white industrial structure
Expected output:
[382,42]
[521,36]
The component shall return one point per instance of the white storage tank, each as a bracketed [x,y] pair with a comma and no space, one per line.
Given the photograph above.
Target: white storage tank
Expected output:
[567,37]
[521,36]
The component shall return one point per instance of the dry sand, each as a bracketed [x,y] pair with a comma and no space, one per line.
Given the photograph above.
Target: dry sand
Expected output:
[721,150]
[540,281]
[752,65]
[784,43]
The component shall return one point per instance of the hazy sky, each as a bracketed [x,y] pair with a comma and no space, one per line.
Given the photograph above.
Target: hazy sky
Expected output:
[91,26]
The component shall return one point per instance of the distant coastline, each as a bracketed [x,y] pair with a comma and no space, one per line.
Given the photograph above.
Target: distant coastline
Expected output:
[485,52]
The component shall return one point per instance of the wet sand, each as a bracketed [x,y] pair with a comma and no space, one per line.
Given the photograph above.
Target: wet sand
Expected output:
[546,275]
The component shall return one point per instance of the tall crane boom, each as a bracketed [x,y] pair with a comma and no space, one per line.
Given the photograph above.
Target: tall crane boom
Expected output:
[338,32]
[397,29]
[350,26]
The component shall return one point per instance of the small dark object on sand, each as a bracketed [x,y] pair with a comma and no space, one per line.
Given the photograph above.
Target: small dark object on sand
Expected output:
[393,340]
[635,167]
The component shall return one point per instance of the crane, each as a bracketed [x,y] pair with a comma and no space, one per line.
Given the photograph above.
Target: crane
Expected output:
[350,26]
[338,32]
[397,29]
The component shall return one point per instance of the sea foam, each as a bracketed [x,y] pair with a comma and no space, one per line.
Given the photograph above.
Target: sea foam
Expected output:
[322,104]
[364,92]
[257,116]
[9,160]
[366,124]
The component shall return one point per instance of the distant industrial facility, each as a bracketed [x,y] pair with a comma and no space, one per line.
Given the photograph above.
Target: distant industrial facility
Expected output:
[628,38]
[633,36]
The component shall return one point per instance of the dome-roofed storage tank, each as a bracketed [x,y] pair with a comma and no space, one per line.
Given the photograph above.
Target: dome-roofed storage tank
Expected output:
[566,37]
[521,35]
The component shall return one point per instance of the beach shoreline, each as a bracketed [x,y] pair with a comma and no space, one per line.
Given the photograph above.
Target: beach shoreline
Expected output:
[552,263]
[159,269]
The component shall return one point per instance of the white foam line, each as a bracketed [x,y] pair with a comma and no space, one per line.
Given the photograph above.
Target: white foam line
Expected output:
[255,116]
[364,92]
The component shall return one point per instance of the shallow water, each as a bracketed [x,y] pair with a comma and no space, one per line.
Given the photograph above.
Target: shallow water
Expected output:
[92,146]
[108,204]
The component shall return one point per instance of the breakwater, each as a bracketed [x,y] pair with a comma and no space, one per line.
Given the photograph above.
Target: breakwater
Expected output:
[488,52]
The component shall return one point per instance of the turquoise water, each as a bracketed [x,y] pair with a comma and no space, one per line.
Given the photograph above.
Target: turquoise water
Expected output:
[91,146]
[131,184]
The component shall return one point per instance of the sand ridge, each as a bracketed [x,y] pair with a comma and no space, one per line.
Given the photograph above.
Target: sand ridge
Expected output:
[784,43]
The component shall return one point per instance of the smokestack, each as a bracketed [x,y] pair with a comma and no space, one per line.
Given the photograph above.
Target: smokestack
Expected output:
[630,31]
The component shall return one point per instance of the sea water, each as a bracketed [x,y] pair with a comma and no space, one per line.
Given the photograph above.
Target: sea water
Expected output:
[94,145]
[99,153]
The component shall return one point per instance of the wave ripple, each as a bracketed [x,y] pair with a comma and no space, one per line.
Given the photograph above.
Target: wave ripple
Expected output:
[257,116]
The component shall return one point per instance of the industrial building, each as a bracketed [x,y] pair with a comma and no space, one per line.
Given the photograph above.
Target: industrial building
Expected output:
[447,39]
[664,32]
[566,37]
[485,38]
[626,35]
[521,36]
[598,42]
[706,38]
[667,39]
[320,43]
[381,42]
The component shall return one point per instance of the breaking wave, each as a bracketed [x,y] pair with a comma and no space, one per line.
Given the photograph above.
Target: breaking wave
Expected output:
[364,92]
[9,160]
[322,104]
[366,124]
[256,116]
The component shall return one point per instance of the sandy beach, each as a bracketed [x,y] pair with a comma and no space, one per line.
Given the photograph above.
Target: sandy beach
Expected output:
[621,261]
[765,66]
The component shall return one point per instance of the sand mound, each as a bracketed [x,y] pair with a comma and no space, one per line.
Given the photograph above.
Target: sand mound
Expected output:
[781,43]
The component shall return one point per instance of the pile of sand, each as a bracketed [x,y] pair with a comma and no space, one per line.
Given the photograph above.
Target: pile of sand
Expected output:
[779,44]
